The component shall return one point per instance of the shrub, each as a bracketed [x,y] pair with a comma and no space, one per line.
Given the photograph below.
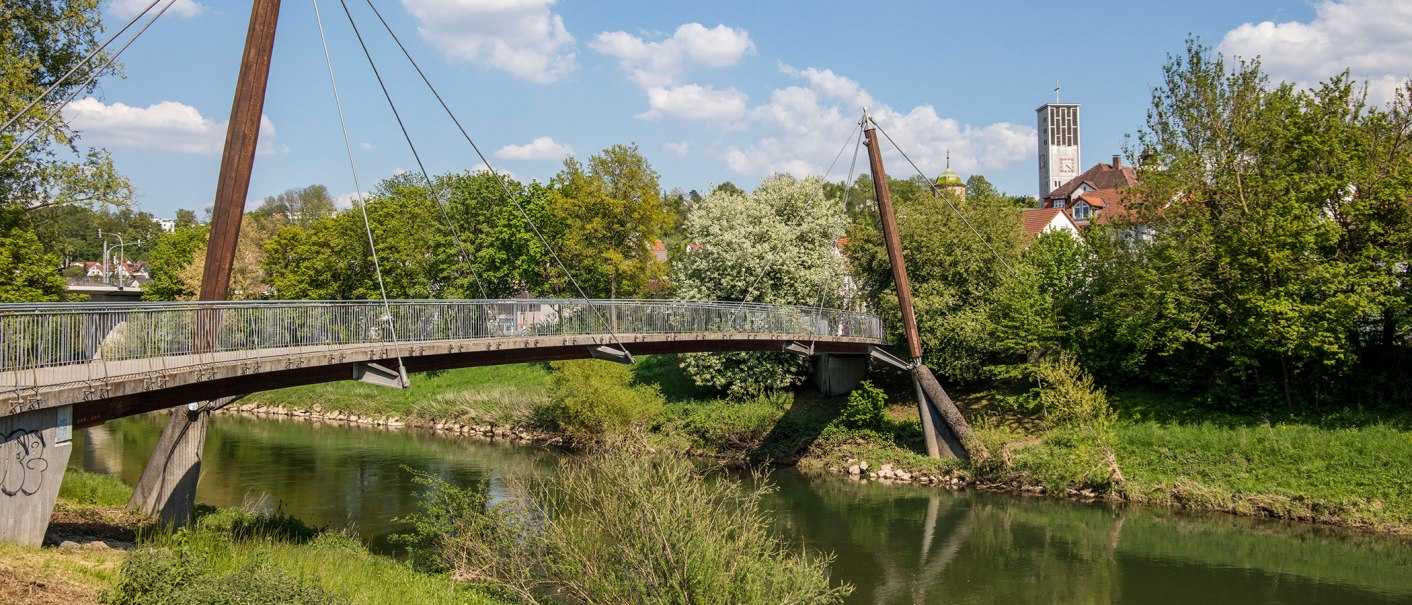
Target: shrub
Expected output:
[620,528]
[1072,403]
[591,400]
[865,409]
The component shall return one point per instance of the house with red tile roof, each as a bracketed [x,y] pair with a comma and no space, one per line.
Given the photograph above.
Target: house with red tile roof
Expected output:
[1039,220]
[1096,196]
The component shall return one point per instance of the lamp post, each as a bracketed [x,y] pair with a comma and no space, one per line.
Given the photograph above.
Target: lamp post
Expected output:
[122,256]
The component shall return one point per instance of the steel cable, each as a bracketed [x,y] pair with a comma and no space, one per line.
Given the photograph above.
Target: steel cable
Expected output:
[358,195]
[91,77]
[431,185]
[500,179]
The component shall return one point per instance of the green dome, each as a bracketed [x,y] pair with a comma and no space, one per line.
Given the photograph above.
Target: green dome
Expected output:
[949,178]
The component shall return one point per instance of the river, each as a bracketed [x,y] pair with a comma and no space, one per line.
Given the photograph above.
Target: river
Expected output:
[895,543]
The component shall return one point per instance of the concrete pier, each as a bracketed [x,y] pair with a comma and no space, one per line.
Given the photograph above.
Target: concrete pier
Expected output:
[33,455]
[167,490]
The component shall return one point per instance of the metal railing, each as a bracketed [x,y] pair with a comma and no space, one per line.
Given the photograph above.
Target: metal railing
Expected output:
[53,344]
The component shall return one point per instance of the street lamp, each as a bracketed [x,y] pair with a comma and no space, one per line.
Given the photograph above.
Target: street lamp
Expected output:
[122,256]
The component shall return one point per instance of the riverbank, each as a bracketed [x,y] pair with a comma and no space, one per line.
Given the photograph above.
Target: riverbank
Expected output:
[95,546]
[1342,471]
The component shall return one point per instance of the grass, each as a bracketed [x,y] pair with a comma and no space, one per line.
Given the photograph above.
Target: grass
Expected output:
[81,487]
[229,543]
[504,394]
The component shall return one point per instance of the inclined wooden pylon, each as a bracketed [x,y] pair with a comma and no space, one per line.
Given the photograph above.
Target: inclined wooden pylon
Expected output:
[946,431]
[167,489]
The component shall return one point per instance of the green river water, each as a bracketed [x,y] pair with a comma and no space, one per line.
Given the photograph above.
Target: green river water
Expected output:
[896,544]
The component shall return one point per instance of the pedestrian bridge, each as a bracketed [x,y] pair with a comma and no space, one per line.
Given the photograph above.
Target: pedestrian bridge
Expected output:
[114,360]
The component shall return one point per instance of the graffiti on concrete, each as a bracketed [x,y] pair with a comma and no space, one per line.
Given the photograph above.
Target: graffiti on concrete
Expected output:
[22,463]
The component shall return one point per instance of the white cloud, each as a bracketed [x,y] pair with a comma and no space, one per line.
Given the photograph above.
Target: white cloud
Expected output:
[679,148]
[658,64]
[165,126]
[805,126]
[541,148]
[695,102]
[181,8]
[1371,38]
[365,146]
[521,37]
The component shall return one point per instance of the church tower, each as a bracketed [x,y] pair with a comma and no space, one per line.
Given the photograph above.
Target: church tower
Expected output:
[1058,125]
[951,182]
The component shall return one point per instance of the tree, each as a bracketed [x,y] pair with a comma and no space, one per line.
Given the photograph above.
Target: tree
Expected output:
[613,210]
[27,272]
[507,256]
[299,207]
[40,40]
[783,234]
[1276,235]
[331,259]
[172,253]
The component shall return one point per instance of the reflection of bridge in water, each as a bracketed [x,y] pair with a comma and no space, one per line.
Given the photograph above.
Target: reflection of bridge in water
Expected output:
[114,360]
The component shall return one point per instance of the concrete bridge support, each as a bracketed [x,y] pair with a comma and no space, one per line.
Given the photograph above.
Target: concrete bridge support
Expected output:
[837,374]
[167,490]
[34,451]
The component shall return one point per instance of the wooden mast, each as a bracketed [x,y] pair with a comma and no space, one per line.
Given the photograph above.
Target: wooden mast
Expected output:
[946,431]
[242,135]
[167,489]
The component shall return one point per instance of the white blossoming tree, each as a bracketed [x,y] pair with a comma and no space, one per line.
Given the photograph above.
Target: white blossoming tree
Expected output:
[783,234]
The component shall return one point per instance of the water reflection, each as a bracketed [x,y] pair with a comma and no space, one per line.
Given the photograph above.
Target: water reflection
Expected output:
[896,544]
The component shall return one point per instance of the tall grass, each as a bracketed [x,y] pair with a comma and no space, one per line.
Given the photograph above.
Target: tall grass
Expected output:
[619,528]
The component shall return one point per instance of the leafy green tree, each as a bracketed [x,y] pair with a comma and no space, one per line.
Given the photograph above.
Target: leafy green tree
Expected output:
[171,255]
[784,235]
[613,210]
[27,272]
[507,257]
[1274,237]
[40,40]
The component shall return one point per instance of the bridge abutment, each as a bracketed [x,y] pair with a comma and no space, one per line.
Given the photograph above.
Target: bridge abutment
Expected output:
[167,489]
[33,455]
[836,374]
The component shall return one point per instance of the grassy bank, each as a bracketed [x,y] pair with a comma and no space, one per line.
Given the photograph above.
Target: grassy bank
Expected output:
[1337,469]
[225,552]
[500,394]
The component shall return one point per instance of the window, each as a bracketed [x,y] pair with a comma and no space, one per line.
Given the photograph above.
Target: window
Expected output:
[1081,211]
[1059,203]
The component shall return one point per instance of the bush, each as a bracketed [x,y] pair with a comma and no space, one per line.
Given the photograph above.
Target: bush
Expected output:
[621,528]
[1073,404]
[865,409]
[591,400]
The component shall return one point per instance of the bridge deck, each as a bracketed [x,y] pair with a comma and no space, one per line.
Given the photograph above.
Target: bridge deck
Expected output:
[120,359]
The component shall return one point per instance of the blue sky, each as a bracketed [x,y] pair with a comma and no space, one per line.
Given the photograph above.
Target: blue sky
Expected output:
[710,91]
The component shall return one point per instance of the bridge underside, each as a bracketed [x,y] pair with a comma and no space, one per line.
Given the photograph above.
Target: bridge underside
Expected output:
[100,400]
